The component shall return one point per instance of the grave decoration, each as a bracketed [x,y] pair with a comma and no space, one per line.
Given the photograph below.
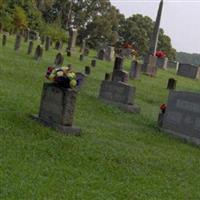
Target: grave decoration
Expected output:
[58,101]
[162,60]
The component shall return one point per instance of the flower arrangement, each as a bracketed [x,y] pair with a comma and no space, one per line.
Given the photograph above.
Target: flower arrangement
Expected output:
[62,76]
[160,54]
[163,108]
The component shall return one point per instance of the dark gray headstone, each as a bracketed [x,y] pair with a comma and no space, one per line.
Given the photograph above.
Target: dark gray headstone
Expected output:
[182,116]
[120,76]
[80,77]
[4,40]
[135,70]
[30,47]
[109,53]
[58,45]
[189,71]
[59,60]
[57,108]
[119,94]
[47,43]
[38,52]
[93,63]
[118,65]
[107,76]
[42,38]
[17,42]
[81,58]
[172,64]
[87,70]
[171,85]
[101,54]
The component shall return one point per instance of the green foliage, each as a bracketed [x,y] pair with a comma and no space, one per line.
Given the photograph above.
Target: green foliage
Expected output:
[54,31]
[20,18]
[188,58]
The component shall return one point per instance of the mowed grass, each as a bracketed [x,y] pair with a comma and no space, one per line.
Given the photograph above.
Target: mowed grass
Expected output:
[119,155]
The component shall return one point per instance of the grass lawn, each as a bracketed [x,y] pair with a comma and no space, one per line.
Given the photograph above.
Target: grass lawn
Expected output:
[119,155]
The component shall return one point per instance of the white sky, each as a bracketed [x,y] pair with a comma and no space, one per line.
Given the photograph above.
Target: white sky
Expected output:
[180,19]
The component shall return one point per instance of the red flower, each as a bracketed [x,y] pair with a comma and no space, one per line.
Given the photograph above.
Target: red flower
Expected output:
[160,54]
[163,107]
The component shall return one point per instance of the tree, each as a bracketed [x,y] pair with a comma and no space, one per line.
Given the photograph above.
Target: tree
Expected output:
[20,18]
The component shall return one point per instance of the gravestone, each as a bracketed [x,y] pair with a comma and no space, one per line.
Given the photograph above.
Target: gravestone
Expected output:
[59,60]
[38,52]
[117,91]
[30,47]
[47,43]
[58,45]
[109,53]
[42,38]
[182,116]
[93,63]
[87,70]
[189,71]
[17,42]
[33,35]
[135,70]
[101,54]
[86,52]
[26,35]
[150,69]
[57,108]
[162,63]
[72,40]
[107,77]
[80,77]
[172,64]
[69,53]
[83,45]
[4,40]
[171,85]
[81,58]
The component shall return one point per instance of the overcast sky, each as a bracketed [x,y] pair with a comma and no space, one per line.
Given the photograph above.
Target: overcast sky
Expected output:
[180,19]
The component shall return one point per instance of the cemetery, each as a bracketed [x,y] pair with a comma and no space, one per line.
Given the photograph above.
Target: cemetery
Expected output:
[79,122]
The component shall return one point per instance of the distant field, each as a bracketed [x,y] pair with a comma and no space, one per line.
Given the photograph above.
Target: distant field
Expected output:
[119,155]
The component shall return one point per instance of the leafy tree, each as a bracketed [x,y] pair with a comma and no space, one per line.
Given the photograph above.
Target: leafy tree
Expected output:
[20,18]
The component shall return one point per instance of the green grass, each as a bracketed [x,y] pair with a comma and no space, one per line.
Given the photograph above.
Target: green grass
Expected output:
[119,155]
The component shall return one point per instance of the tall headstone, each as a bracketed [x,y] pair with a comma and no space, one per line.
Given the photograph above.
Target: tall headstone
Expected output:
[4,40]
[59,60]
[47,43]
[72,40]
[109,54]
[17,42]
[154,37]
[101,54]
[83,45]
[30,47]
[58,45]
[135,70]
[38,52]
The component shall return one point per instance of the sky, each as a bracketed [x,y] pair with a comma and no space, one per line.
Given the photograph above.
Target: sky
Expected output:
[180,19]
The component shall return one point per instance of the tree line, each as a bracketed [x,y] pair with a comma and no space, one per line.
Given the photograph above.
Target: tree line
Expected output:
[98,21]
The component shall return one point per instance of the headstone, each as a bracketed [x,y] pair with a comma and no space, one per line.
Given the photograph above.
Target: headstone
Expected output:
[33,35]
[58,45]
[86,52]
[72,40]
[69,53]
[30,47]
[38,52]
[93,63]
[87,70]
[119,94]
[17,42]
[171,85]
[107,77]
[57,108]
[118,65]
[101,54]
[189,71]
[135,70]
[162,63]
[80,77]
[59,60]
[47,43]
[120,76]
[151,68]
[109,53]
[182,116]
[83,45]
[4,40]
[26,35]
[81,58]
[173,64]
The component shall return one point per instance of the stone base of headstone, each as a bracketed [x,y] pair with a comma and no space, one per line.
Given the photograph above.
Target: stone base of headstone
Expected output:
[119,94]
[57,109]
[150,68]
[68,130]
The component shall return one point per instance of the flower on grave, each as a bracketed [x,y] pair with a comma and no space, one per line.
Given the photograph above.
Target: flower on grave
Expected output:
[160,54]
[163,108]
[62,76]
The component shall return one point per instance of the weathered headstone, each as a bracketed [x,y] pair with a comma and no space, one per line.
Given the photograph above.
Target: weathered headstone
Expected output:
[57,108]
[86,52]
[101,54]
[118,65]
[33,35]
[162,63]
[4,40]
[182,116]
[150,69]
[93,63]
[83,45]
[58,45]
[69,53]
[26,35]
[120,76]
[107,77]
[189,71]
[17,42]
[30,47]
[173,64]
[59,60]
[109,53]
[87,70]
[38,52]
[171,85]
[135,70]
[72,40]
[81,58]
[47,43]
